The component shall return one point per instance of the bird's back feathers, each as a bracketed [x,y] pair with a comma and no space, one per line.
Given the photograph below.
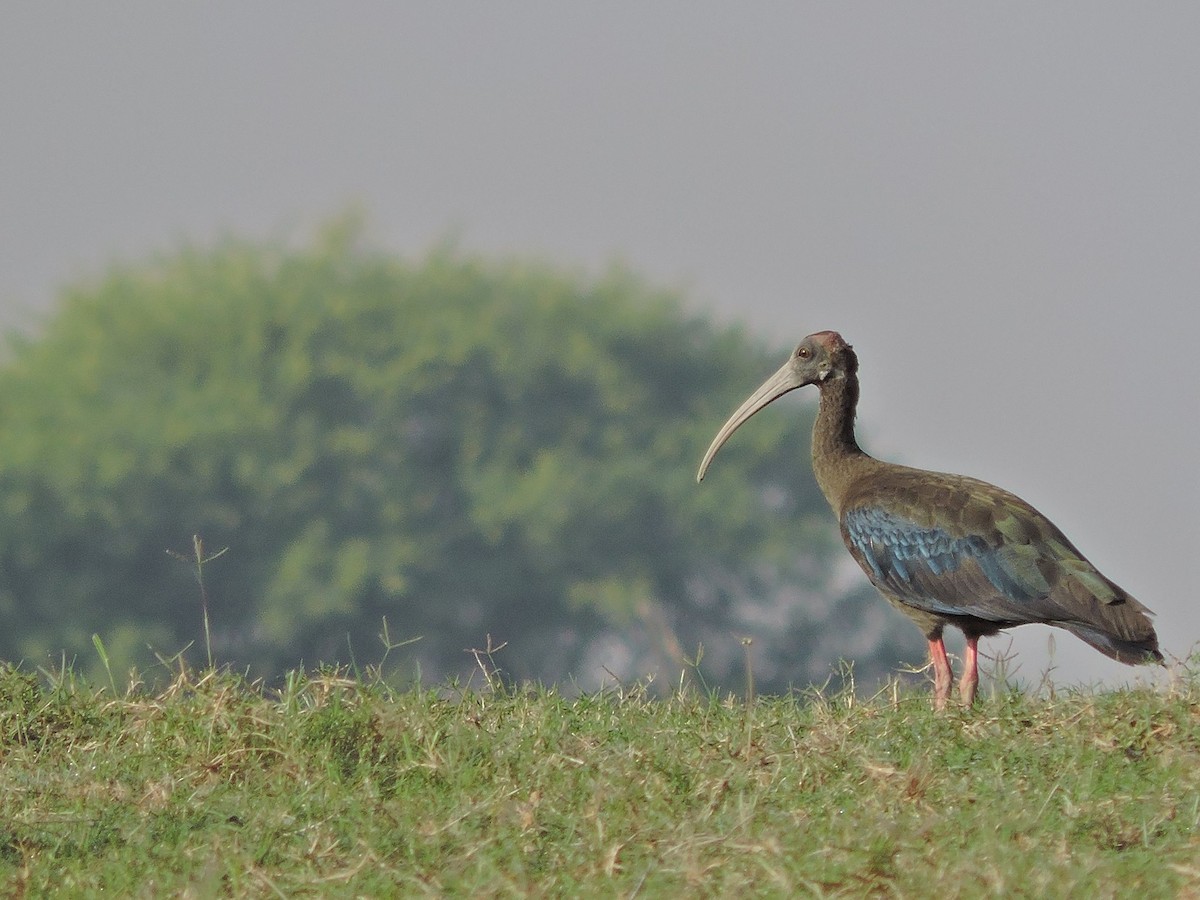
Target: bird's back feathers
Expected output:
[959,549]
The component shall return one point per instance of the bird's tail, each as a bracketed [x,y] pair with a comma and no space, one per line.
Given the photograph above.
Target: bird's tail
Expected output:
[1102,614]
[1130,650]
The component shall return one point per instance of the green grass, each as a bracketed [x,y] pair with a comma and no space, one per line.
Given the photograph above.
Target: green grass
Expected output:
[339,786]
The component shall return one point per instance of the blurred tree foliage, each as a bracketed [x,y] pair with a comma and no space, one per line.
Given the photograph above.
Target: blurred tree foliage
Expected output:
[465,447]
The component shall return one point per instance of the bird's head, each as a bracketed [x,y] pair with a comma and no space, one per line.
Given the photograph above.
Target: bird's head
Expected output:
[819,359]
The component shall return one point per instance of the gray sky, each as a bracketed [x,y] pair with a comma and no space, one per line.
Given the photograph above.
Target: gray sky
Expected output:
[999,205]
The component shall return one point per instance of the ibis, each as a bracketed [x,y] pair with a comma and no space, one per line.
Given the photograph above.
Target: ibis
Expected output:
[946,550]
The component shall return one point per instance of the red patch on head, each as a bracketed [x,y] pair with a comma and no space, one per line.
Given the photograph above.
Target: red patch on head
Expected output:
[830,340]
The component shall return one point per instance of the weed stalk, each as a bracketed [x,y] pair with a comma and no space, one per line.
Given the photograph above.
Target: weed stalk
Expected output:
[199,560]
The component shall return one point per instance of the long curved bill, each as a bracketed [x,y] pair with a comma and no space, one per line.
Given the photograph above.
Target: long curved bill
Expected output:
[772,389]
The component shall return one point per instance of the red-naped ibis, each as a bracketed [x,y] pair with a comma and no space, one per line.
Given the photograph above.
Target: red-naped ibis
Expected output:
[945,549]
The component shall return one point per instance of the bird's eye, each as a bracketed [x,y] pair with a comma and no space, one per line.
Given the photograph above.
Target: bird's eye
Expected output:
[803,353]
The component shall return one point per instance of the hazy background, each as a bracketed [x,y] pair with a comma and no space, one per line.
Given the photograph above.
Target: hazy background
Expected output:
[998,206]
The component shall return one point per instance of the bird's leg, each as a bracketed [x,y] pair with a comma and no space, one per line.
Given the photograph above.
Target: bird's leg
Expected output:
[970,676]
[943,675]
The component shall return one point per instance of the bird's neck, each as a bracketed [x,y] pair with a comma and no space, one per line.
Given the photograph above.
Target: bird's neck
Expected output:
[836,454]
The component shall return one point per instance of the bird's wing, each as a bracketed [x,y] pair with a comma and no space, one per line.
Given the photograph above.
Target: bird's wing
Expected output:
[959,547]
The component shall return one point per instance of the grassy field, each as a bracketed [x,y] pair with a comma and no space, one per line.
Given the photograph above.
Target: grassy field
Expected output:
[340,786]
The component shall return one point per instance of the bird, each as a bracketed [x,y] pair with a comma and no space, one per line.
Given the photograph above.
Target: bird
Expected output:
[946,550]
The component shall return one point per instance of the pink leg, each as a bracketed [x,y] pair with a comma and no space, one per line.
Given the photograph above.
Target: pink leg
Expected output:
[943,675]
[970,676]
